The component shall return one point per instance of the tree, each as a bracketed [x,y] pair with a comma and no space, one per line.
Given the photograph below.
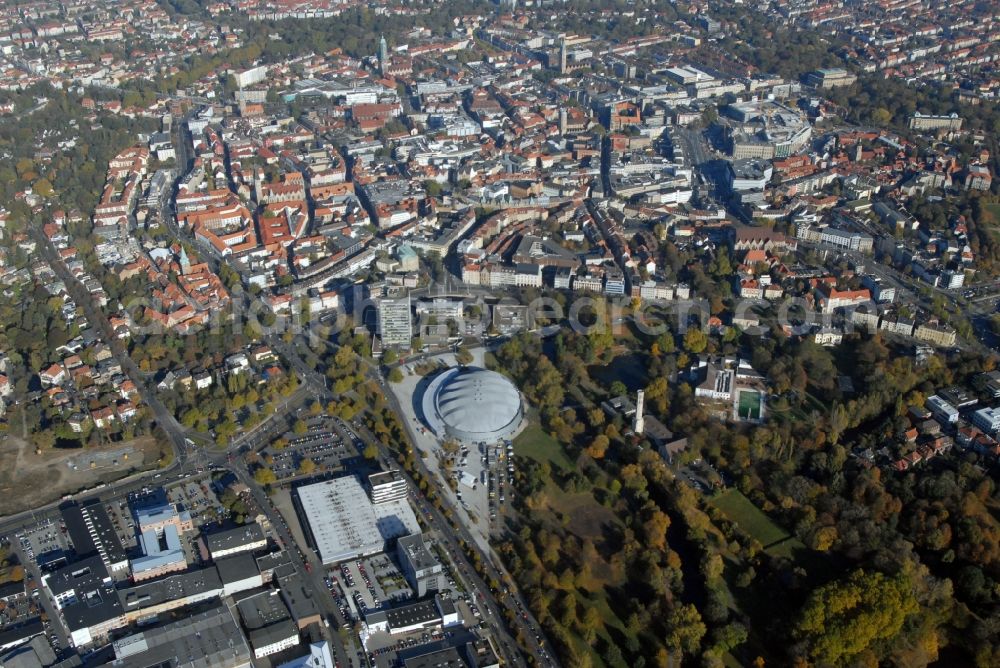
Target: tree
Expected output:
[396,376]
[433,188]
[665,342]
[657,393]
[590,623]
[686,629]
[823,538]
[730,636]
[710,115]
[389,357]
[655,528]
[371,452]
[695,340]
[720,266]
[264,476]
[300,427]
[881,116]
[307,467]
[43,188]
[712,567]
[842,619]
[191,417]
[598,447]
[463,356]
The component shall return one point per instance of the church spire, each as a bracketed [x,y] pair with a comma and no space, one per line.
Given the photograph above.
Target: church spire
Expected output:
[383,55]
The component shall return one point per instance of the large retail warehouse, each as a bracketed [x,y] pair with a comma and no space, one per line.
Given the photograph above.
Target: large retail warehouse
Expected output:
[346,524]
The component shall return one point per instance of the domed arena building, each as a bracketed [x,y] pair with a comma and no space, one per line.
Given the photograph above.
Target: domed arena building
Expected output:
[472,405]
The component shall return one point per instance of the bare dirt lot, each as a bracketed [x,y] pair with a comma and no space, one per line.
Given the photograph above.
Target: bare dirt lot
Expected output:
[28,480]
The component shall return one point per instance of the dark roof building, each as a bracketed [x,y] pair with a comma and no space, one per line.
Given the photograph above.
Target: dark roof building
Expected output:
[12,590]
[148,599]
[260,609]
[274,638]
[12,636]
[33,654]
[462,650]
[92,532]
[85,593]
[246,538]
[268,563]
[238,573]
[209,639]
[432,612]
[268,623]
[299,599]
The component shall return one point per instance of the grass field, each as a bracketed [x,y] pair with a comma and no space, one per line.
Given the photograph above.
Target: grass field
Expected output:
[749,406]
[751,519]
[786,548]
[536,444]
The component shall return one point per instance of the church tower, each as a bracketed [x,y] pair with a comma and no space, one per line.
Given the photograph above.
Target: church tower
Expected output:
[383,55]
[185,262]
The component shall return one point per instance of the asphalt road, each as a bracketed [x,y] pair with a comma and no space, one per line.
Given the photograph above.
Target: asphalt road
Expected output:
[694,147]
[524,621]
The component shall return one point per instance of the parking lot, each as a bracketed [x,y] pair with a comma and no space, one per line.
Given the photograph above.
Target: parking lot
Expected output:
[46,539]
[701,475]
[195,495]
[321,444]
[388,579]
[499,469]
[367,584]
[360,590]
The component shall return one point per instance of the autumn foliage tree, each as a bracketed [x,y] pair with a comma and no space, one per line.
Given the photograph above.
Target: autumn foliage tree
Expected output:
[847,617]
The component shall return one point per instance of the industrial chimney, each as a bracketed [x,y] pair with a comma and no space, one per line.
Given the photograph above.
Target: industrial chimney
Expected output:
[639,420]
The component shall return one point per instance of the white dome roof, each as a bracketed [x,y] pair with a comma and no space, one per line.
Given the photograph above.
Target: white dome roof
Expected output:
[477,401]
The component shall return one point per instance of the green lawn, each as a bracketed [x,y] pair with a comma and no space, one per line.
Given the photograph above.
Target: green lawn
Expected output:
[751,519]
[786,548]
[749,404]
[536,444]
